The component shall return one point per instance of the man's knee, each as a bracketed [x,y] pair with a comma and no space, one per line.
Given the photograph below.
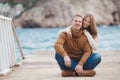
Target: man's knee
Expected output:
[97,57]
[93,61]
[57,56]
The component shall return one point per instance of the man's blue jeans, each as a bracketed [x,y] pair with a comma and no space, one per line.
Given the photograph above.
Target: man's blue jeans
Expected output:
[93,60]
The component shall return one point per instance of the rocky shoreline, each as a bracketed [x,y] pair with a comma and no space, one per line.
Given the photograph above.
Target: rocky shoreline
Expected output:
[58,13]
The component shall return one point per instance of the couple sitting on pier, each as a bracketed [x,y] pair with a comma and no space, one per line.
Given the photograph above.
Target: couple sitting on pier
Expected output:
[75,47]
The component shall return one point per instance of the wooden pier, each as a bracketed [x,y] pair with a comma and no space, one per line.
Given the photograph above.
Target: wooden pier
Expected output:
[41,65]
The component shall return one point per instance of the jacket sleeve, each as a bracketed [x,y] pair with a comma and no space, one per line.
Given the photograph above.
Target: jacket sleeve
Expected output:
[65,30]
[86,54]
[93,41]
[59,44]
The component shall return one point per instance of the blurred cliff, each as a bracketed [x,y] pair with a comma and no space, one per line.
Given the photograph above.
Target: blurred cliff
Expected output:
[58,13]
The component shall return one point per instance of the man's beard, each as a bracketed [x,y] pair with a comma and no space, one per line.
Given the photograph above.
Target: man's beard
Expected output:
[78,27]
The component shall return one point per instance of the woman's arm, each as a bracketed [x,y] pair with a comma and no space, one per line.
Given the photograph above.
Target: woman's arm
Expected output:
[65,30]
[92,41]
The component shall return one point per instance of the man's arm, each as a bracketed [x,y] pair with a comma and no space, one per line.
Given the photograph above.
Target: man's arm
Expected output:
[86,54]
[59,44]
[59,48]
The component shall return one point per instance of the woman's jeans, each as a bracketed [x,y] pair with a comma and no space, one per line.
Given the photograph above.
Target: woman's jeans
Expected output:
[92,61]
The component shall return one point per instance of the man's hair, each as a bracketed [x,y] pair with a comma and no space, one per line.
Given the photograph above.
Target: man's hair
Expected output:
[77,15]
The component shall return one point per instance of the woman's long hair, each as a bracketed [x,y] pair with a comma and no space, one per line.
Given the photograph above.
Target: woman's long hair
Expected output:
[92,28]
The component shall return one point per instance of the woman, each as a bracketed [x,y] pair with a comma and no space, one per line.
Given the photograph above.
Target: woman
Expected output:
[89,30]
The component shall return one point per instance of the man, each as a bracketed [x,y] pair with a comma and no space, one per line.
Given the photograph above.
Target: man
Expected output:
[74,55]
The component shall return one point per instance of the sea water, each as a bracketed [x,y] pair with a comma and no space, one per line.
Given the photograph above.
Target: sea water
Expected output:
[34,39]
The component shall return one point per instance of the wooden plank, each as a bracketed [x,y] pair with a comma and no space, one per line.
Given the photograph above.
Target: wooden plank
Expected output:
[41,65]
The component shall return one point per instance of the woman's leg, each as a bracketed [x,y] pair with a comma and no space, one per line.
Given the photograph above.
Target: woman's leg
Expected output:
[92,61]
[61,64]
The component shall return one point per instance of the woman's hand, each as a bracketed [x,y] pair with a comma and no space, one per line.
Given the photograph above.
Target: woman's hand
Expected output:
[67,61]
[84,30]
[79,69]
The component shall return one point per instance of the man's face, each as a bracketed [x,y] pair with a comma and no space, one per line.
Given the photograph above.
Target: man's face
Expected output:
[76,22]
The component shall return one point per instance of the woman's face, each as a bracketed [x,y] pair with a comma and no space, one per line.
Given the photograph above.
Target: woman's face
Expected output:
[86,22]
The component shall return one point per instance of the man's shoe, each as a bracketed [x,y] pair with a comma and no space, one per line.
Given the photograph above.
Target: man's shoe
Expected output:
[67,73]
[88,73]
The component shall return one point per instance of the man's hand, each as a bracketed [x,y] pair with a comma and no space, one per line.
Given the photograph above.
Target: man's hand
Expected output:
[67,61]
[79,69]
